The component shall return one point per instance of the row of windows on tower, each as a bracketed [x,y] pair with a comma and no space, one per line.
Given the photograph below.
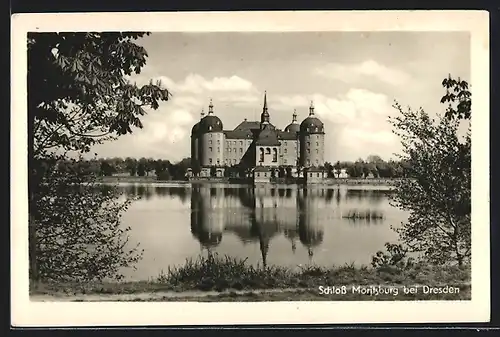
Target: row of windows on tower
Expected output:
[241,143]
[218,142]
[210,149]
[261,159]
[227,161]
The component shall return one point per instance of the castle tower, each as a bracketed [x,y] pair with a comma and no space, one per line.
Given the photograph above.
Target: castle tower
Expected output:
[195,137]
[312,140]
[211,139]
[267,143]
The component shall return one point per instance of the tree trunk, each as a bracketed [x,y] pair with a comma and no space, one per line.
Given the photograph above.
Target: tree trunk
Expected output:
[32,242]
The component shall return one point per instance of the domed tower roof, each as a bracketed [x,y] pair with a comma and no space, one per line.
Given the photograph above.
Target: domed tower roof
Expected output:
[312,124]
[293,127]
[196,127]
[210,123]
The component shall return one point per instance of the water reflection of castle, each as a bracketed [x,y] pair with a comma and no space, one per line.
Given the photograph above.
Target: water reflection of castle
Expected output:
[258,215]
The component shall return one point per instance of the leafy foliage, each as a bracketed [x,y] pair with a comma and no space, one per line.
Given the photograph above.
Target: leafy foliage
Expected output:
[78,90]
[394,256]
[79,234]
[458,98]
[439,198]
[79,95]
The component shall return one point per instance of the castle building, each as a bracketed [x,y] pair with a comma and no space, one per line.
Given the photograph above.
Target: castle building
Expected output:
[258,146]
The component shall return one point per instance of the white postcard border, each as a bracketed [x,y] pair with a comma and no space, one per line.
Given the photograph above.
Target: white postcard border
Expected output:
[26,313]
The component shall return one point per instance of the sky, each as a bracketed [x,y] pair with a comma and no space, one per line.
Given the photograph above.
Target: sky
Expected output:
[352,77]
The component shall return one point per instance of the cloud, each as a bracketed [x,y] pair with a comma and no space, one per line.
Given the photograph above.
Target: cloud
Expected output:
[355,73]
[197,84]
[167,131]
[355,122]
[355,104]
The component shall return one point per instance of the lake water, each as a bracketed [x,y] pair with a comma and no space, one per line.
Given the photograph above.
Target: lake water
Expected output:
[278,225]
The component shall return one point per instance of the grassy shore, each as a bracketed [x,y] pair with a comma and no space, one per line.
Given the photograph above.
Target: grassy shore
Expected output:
[215,278]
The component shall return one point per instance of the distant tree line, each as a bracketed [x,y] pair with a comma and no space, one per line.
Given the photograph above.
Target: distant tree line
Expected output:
[373,165]
[160,168]
[165,170]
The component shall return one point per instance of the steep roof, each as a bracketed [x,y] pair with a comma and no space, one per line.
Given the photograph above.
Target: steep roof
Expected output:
[247,125]
[238,134]
[268,137]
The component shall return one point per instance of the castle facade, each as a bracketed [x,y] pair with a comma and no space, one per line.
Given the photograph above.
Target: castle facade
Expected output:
[259,147]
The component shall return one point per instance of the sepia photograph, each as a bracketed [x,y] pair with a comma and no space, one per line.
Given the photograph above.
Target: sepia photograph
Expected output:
[296,164]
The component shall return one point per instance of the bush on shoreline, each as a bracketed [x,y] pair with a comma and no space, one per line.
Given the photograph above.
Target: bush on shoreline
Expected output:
[220,273]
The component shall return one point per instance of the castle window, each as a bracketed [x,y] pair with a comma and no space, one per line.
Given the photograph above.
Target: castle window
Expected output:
[229,149]
[308,144]
[210,149]
[210,129]
[210,161]
[268,150]
[210,142]
[284,161]
[234,150]
[284,150]
[241,150]
[258,174]
[261,158]
[218,141]
[275,155]
[218,149]
[308,151]
[316,129]
[317,175]
[317,151]
[284,143]
[234,161]
[317,144]
[265,174]
[218,161]
[317,162]
[241,142]
[308,162]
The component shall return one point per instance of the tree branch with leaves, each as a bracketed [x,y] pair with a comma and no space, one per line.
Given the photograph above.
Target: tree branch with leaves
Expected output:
[438,199]
[80,94]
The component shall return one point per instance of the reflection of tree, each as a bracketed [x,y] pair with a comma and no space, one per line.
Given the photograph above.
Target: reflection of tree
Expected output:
[338,198]
[329,194]
[364,217]
[373,196]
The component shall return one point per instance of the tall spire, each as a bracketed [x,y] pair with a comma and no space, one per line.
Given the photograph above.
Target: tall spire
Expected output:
[311,109]
[294,116]
[210,107]
[264,117]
